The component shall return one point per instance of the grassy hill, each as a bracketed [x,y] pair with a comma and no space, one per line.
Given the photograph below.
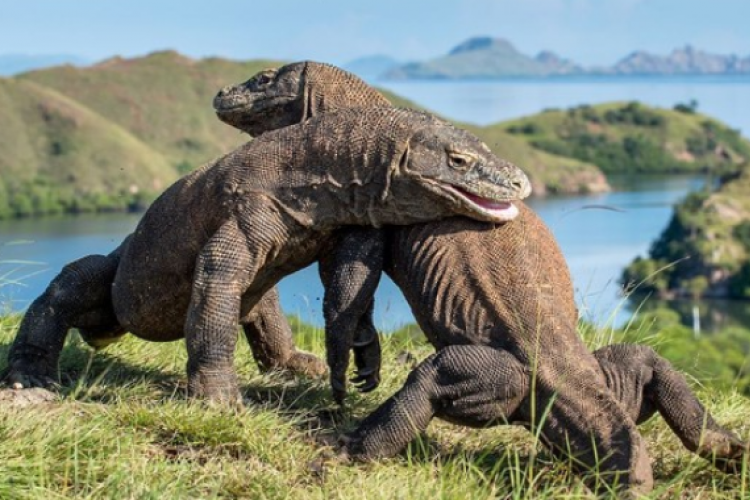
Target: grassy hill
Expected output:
[123,429]
[705,249]
[163,99]
[635,138]
[58,155]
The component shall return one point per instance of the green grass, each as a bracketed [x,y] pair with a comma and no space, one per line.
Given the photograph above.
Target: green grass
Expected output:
[123,429]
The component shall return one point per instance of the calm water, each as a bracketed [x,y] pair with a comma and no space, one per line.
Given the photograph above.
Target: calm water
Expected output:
[488,101]
[597,242]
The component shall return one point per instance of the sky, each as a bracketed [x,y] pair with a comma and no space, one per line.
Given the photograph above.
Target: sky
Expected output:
[590,32]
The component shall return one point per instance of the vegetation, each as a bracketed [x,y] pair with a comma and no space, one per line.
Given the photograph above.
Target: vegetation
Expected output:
[634,138]
[112,136]
[705,249]
[123,429]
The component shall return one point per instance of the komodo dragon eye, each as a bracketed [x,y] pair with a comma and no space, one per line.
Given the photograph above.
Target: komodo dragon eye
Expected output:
[264,78]
[460,161]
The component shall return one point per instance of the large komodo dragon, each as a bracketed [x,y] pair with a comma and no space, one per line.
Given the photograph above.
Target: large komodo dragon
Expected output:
[212,244]
[504,290]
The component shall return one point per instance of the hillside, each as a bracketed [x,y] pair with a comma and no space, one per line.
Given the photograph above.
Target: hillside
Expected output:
[114,135]
[705,249]
[60,156]
[635,138]
[163,99]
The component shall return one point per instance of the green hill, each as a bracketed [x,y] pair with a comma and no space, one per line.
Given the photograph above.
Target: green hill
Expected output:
[705,249]
[635,138]
[163,99]
[61,156]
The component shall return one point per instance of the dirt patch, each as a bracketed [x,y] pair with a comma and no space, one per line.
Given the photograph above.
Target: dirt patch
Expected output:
[20,398]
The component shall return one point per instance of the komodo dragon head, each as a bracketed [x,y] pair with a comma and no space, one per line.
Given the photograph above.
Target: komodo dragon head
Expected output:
[451,162]
[276,98]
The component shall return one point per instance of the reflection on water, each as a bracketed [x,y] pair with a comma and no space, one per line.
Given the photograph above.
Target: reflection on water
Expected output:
[599,235]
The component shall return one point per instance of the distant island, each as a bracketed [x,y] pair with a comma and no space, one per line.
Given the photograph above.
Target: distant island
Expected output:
[487,57]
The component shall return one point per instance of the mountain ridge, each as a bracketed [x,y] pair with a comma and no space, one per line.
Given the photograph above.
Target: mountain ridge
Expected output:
[487,57]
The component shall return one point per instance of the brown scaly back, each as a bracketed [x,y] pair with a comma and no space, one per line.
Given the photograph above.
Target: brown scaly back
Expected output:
[328,88]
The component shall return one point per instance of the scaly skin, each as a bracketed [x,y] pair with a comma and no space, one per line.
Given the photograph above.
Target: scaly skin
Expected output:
[506,287]
[217,240]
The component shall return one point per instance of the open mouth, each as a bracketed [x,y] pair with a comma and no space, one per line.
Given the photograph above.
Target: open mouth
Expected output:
[498,211]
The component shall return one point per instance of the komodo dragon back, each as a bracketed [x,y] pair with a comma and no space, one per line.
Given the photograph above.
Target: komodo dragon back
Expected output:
[276,98]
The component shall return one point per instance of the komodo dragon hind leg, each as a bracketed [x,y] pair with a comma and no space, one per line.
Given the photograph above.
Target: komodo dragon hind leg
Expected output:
[270,338]
[477,386]
[664,389]
[78,297]
[350,275]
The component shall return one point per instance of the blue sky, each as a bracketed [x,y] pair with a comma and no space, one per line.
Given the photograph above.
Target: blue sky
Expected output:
[337,31]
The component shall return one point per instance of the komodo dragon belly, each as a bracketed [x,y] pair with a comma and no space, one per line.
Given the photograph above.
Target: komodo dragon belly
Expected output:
[153,286]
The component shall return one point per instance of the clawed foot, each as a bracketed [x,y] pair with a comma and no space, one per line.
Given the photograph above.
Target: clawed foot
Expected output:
[367,379]
[26,372]
[216,386]
[727,453]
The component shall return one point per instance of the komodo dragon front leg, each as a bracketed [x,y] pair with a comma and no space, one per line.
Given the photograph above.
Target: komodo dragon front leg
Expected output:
[350,276]
[225,267]
[478,386]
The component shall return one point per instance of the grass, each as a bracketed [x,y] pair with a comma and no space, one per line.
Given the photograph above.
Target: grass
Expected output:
[123,429]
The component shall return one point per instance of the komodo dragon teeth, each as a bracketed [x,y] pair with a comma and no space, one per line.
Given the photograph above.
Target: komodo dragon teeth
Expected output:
[504,290]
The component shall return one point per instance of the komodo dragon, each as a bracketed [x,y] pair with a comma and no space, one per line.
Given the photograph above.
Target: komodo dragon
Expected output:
[212,244]
[504,286]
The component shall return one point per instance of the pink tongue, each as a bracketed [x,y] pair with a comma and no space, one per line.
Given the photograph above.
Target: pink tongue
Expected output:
[485,203]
